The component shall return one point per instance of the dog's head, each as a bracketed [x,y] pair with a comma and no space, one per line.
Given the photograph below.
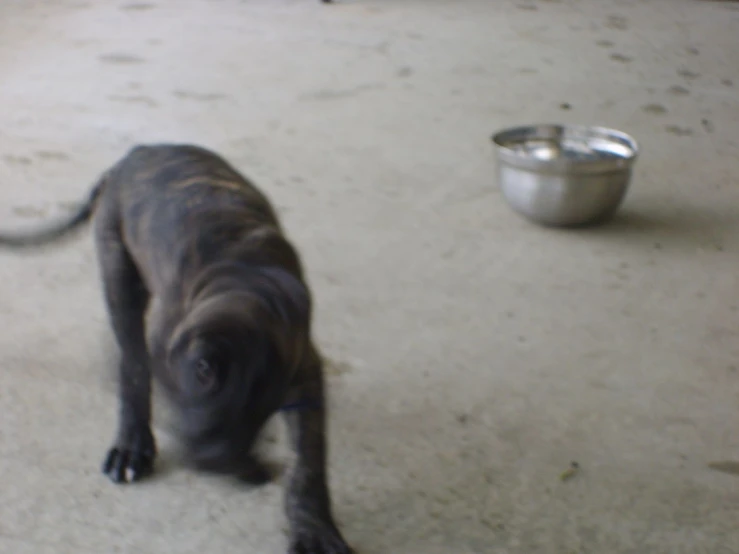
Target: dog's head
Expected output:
[231,361]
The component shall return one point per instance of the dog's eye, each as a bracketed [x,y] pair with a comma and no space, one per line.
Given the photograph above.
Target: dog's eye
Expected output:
[205,373]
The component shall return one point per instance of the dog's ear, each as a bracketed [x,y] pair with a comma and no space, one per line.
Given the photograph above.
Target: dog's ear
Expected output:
[287,296]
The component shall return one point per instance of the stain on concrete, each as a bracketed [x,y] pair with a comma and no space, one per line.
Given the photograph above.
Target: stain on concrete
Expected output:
[618,22]
[448,254]
[415,36]
[199,96]
[405,71]
[654,109]
[727,82]
[137,7]
[142,100]
[68,206]
[729,467]
[31,212]
[528,7]
[82,43]
[528,71]
[677,90]
[708,126]
[678,131]
[52,155]
[619,272]
[621,58]
[469,70]
[693,51]
[565,106]
[119,58]
[16,160]
[327,94]
[688,74]
[604,43]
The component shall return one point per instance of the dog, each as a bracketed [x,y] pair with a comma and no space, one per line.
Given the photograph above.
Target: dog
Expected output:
[207,295]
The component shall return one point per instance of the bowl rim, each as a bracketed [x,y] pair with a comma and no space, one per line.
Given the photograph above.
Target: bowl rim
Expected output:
[561,165]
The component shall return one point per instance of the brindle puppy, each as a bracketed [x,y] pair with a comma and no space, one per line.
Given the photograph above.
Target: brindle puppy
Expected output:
[205,292]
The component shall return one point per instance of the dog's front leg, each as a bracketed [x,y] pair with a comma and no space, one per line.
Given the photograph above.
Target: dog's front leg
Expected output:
[308,503]
[132,455]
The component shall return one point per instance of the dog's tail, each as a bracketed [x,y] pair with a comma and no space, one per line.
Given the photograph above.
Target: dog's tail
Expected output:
[55,230]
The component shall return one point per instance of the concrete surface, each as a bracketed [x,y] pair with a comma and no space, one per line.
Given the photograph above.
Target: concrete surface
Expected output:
[473,356]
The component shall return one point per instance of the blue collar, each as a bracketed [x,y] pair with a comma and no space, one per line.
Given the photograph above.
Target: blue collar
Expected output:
[300,405]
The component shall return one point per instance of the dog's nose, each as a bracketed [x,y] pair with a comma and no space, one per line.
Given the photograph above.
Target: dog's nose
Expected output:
[226,456]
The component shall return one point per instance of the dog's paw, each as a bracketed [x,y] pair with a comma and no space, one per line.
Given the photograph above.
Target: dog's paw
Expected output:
[319,540]
[131,460]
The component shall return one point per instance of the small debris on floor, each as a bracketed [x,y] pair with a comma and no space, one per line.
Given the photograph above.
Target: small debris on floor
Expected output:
[570,472]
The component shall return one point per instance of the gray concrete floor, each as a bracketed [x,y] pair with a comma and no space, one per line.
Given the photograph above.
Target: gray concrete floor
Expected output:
[473,355]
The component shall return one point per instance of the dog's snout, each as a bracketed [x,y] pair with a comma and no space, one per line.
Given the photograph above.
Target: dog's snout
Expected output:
[219,449]
[215,456]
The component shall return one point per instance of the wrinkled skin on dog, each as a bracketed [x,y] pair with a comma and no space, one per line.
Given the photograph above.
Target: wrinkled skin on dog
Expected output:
[206,294]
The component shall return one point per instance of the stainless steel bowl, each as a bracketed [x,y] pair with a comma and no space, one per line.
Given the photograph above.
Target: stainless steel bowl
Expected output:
[564,175]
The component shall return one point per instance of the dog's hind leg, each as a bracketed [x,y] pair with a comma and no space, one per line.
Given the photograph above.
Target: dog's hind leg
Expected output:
[132,455]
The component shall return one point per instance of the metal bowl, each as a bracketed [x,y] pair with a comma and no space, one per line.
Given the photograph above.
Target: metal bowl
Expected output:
[564,175]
